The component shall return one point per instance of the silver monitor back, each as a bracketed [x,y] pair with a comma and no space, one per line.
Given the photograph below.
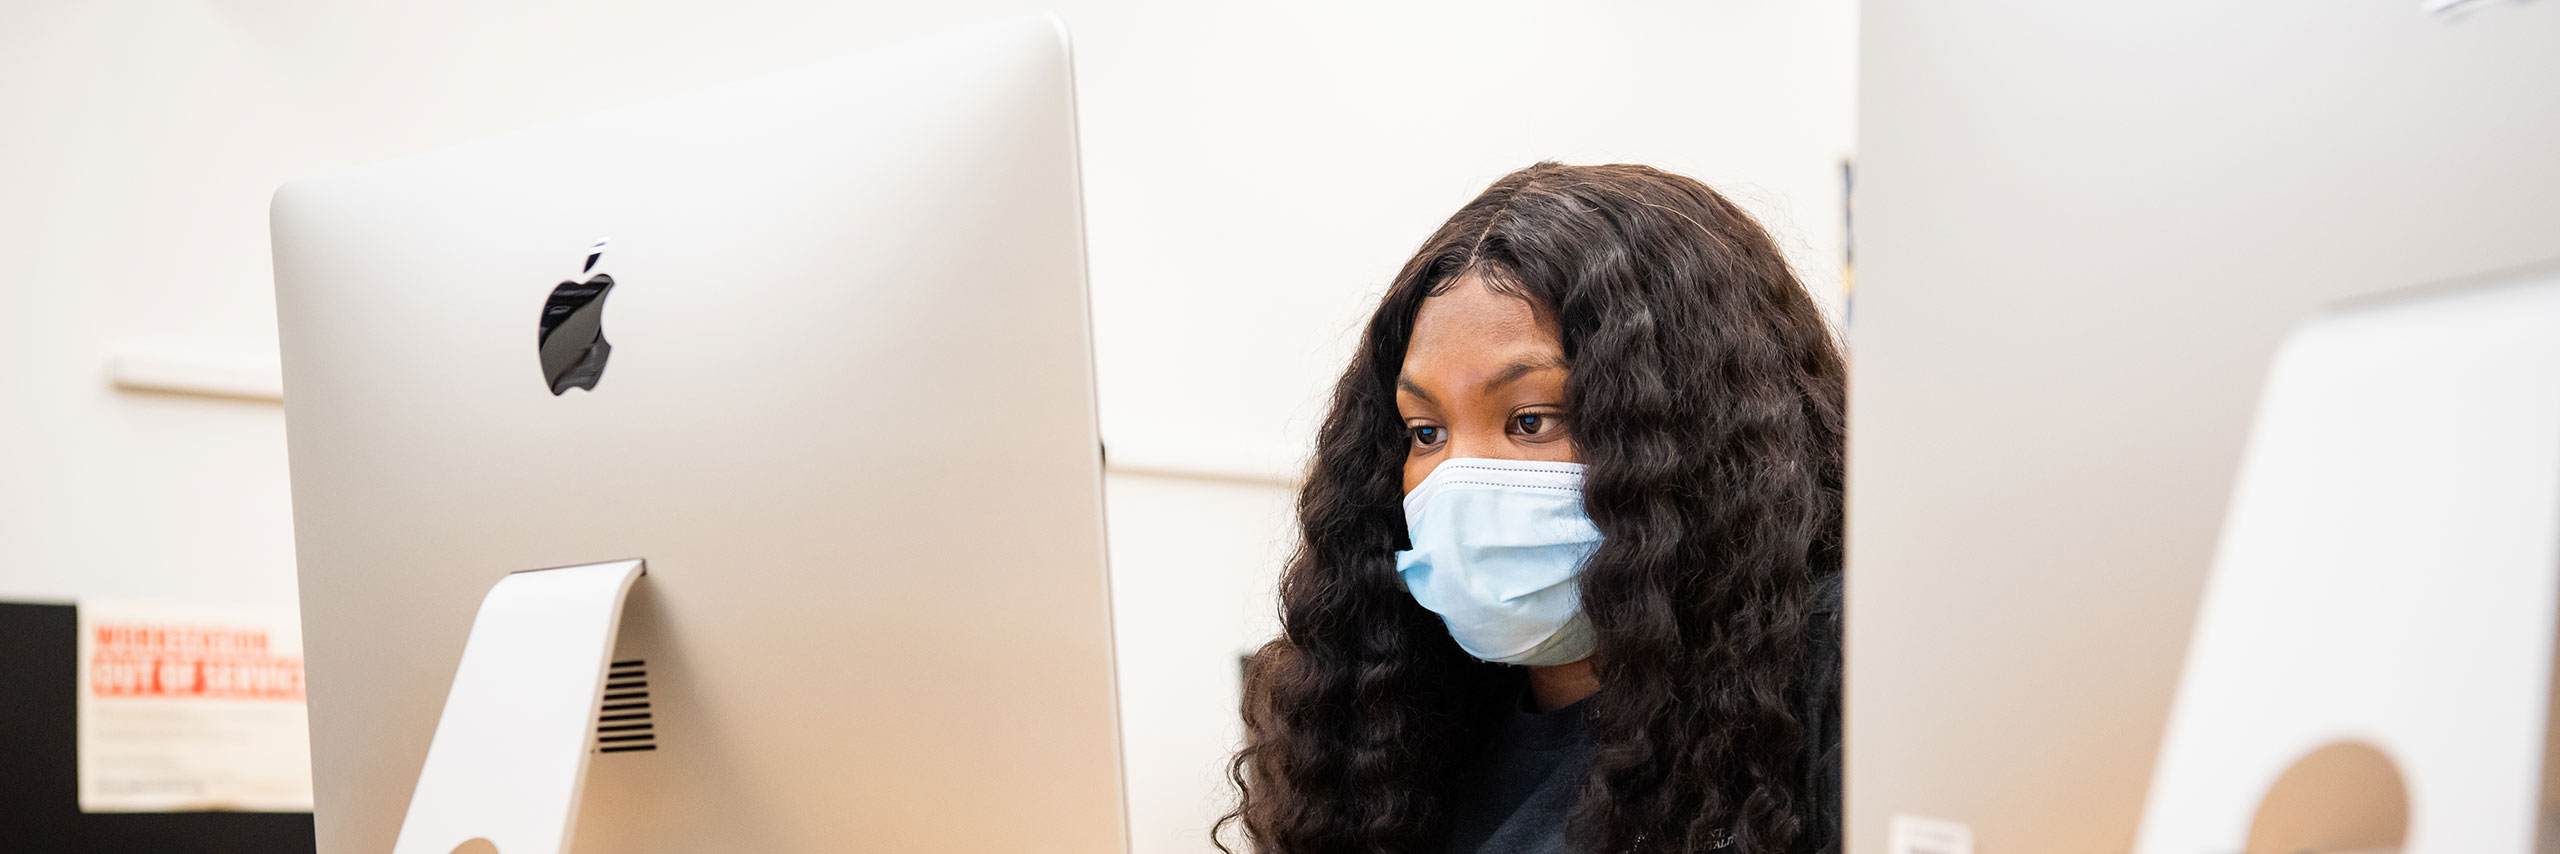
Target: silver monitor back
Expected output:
[846,415]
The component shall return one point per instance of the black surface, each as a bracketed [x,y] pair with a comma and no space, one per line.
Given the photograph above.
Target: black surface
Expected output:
[39,770]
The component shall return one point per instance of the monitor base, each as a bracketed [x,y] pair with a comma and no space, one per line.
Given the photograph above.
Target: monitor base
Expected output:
[509,758]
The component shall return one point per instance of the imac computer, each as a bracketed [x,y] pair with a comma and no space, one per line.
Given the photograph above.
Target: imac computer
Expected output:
[808,357]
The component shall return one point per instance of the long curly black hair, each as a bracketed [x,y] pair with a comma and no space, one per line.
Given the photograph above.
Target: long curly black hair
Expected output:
[1706,395]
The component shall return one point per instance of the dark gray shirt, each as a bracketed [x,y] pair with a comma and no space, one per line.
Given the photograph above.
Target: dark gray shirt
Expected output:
[1516,800]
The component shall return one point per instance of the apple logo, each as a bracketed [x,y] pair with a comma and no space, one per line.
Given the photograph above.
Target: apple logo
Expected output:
[572,342]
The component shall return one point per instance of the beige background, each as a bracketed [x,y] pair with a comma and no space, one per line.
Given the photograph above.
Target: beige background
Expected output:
[2082,228]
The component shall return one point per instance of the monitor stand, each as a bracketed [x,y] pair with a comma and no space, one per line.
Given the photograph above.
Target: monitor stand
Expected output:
[2372,662]
[510,754]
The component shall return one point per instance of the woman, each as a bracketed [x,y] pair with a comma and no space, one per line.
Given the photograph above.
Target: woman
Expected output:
[1570,557]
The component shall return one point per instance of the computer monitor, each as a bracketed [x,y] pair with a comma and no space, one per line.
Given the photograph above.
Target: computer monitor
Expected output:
[815,346]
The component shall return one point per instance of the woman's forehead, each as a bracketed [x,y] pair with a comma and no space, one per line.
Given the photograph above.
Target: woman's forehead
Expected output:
[1471,318]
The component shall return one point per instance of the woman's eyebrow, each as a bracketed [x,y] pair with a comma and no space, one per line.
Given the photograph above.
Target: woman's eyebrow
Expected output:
[1408,386]
[1512,374]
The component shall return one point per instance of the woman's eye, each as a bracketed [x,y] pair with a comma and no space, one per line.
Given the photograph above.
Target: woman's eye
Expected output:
[1535,423]
[1426,435]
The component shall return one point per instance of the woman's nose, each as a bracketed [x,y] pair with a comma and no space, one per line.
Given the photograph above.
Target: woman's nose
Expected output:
[1482,446]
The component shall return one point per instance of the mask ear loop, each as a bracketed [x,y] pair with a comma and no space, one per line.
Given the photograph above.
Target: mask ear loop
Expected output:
[1399,535]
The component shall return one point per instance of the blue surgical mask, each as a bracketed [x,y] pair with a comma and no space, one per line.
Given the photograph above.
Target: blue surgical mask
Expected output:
[1497,545]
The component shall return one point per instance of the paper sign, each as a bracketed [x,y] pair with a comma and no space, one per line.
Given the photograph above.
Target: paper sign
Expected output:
[188,708]
[1911,834]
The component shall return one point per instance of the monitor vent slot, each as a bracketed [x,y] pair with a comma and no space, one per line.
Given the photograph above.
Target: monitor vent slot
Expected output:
[623,722]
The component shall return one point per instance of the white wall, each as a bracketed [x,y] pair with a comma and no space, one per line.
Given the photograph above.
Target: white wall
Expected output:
[1255,173]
